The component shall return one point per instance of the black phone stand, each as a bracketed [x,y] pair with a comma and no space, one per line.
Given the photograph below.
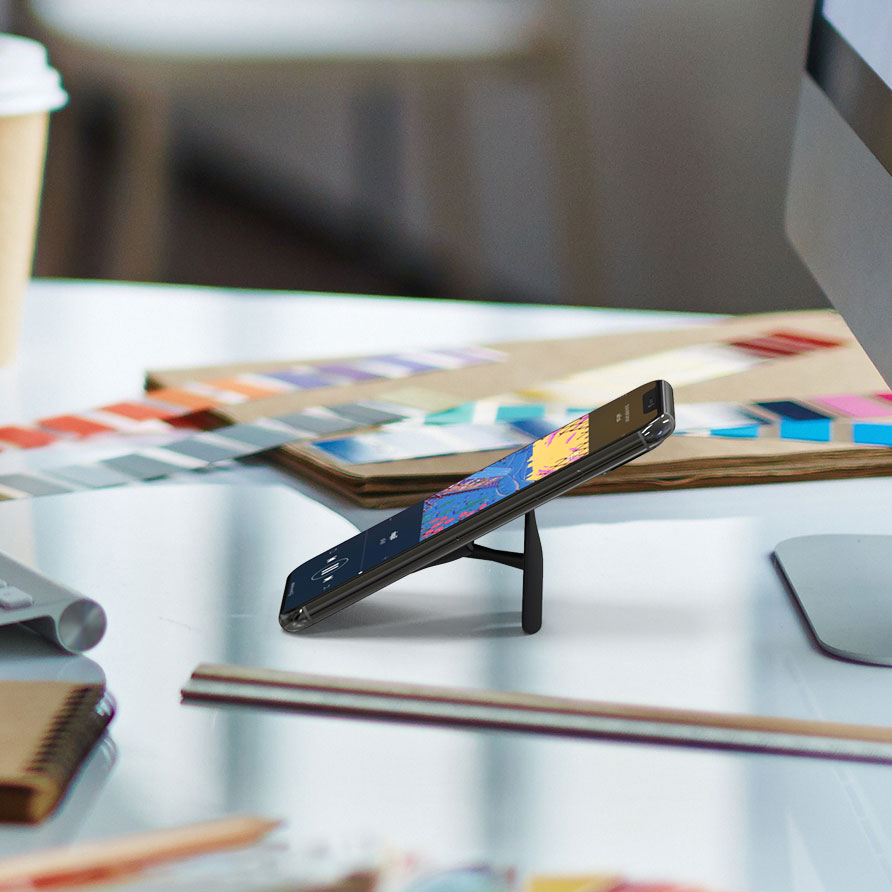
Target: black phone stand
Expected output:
[529,560]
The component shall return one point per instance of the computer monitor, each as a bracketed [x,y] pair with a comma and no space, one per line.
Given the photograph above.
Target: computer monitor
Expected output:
[839,220]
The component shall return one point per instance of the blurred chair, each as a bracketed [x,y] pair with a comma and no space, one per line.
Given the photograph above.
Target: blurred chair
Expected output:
[144,53]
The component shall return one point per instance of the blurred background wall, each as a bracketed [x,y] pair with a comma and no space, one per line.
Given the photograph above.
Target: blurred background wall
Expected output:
[676,142]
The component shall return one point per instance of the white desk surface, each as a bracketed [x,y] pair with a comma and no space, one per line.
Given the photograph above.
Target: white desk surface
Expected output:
[662,598]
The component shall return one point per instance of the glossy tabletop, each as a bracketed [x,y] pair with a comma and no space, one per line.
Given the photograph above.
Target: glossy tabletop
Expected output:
[654,598]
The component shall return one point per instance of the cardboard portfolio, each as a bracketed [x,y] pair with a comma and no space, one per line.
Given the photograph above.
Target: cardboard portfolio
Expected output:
[680,462]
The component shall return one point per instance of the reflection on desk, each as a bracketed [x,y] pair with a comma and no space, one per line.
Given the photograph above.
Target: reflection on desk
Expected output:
[192,573]
[659,598]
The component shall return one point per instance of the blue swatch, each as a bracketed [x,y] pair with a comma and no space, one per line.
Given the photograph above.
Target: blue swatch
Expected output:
[815,429]
[747,431]
[462,414]
[519,413]
[872,434]
[792,411]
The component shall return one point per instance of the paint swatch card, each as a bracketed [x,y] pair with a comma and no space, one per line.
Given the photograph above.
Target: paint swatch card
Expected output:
[864,419]
[507,408]
[168,409]
[463,429]
[411,421]
[820,419]
[681,366]
[600,882]
[198,452]
[406,441]
[702,416]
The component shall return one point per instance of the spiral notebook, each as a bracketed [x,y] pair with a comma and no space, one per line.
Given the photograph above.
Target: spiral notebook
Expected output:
[47,730]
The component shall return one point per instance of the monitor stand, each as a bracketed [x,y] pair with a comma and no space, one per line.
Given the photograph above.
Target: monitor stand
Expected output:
[843,584]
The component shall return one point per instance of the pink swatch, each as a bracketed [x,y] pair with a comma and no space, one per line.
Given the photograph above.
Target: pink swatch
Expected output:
[854,406]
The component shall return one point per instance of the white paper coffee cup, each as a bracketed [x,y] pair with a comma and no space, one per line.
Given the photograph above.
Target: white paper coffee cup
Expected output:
[29,90]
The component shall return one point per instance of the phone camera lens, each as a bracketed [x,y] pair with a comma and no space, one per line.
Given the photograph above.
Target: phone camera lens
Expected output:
[650,401]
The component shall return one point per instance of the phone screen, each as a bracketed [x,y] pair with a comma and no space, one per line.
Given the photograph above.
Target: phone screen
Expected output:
[583,437]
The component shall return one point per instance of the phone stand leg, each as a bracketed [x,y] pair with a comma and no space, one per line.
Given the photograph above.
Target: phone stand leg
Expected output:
[529,560]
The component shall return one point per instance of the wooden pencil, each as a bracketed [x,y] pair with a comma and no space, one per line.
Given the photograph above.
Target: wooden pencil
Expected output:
[109,858]
[561,716]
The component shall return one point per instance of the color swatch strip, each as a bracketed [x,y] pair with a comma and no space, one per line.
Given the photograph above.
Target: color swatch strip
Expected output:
[863,419]
[472,427]
[514,424]
[482,878]
[161,409]
[222,444]
[500,423]
[680,366]
[166,409]
[598,883]
[411,433]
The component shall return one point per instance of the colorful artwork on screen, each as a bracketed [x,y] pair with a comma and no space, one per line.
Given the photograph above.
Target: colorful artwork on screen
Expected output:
[559,449]
[504,477]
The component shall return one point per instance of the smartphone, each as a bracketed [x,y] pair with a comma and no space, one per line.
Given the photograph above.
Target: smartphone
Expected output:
[438,525]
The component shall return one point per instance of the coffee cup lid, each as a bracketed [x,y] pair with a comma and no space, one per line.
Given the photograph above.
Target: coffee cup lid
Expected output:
[27,82]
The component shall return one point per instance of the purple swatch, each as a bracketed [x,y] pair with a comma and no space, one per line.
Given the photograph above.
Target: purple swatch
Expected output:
[348,371]
[305,380]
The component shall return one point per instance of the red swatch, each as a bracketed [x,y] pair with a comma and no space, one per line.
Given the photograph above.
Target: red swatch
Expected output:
[139,411]
[806,341]
[25,437]
[783,343]
[178,397]
[767,347]
[73,424]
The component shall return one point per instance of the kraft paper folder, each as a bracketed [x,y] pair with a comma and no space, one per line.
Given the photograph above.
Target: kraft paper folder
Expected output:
[535,713]
[680,462]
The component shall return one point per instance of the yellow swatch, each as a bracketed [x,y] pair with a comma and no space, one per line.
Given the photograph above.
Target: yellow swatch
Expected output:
[544,882]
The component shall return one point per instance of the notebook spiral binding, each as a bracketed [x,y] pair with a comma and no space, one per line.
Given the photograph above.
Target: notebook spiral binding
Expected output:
[73,733]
